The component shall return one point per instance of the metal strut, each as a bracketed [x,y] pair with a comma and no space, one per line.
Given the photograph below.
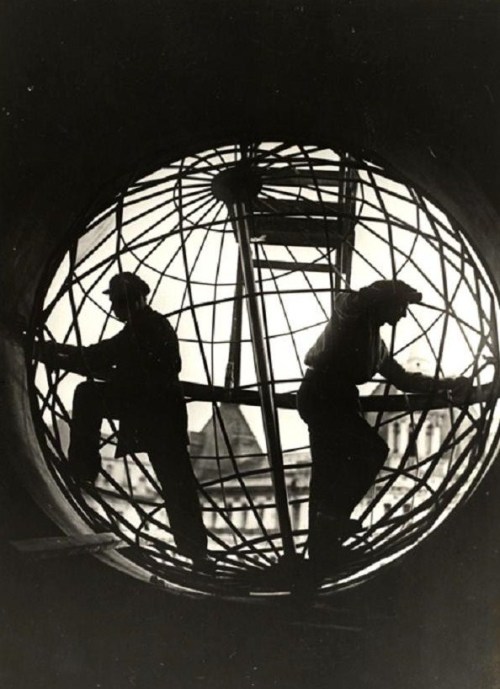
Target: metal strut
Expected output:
[236,187]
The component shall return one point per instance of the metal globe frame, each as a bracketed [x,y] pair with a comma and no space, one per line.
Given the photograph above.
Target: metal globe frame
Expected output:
[244,247]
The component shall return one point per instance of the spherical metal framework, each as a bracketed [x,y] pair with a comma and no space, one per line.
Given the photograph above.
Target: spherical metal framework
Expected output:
[244,247]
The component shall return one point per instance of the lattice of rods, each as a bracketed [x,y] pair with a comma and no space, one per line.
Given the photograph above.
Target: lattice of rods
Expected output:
[320,222]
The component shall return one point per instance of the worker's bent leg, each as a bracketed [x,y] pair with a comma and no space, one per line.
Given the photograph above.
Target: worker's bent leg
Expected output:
[346,459]
[172,465]
[91,403]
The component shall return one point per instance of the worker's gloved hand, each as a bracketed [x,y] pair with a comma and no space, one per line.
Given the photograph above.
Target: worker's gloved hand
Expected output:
[47,352]
[458,389]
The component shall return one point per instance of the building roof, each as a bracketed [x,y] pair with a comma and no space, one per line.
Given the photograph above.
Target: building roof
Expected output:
[225,435]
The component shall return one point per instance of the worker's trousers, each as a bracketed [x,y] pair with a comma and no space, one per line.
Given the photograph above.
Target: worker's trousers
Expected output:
[168,454]
[346,452]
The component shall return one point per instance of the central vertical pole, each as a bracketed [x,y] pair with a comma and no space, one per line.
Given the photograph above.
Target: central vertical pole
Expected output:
[239,217]
[237,187]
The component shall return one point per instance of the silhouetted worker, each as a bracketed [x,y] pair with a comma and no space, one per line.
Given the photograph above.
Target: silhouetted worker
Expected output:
[347,453]
[139,369]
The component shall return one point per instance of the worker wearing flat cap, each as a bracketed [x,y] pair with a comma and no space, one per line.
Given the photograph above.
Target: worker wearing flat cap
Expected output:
[134,377]
[347,453]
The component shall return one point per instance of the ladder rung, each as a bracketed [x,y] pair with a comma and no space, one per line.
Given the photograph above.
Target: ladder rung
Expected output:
[281,231]
[302,208]
[294,266]
[294,177]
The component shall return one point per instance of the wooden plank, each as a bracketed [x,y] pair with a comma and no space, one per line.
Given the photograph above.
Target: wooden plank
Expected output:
[63,546]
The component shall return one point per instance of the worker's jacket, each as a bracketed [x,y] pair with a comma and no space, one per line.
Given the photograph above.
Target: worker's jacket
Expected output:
[350,352]
[141,364]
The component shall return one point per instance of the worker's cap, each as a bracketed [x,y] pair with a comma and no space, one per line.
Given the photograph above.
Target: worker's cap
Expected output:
[126,284]
[391,290]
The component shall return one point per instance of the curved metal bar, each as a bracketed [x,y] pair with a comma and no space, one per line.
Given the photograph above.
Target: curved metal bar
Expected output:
[146,235]
[288,400]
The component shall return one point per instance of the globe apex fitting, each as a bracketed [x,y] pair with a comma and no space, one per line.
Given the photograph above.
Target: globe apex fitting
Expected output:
[239,183]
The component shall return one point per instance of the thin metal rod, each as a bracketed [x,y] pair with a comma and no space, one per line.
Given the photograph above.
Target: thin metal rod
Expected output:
[280,299]
[269,415]
[233,368]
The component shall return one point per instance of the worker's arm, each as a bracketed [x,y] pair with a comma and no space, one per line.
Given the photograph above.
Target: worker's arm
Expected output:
[95,360]
[456,389]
